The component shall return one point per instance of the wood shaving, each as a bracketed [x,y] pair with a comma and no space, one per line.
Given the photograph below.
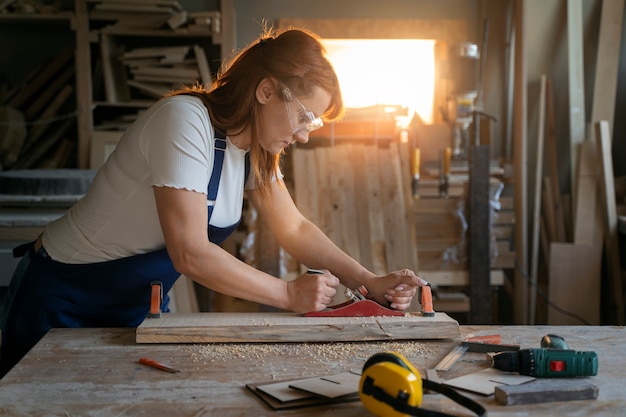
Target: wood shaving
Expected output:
[308,352]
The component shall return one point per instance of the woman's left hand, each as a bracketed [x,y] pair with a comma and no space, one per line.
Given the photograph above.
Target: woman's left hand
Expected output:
[396,289]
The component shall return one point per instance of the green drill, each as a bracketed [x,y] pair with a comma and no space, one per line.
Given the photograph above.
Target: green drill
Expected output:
[547,363]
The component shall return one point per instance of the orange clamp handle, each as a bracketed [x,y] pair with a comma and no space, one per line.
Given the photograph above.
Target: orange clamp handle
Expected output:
[156,298]
[427,302]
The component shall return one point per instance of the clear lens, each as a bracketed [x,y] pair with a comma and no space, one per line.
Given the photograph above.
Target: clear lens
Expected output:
[307,121]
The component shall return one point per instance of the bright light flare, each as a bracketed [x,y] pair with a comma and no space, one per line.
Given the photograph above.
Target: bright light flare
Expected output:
[385,71]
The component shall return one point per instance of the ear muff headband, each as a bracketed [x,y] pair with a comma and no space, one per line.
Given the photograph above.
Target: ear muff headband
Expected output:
[391,386]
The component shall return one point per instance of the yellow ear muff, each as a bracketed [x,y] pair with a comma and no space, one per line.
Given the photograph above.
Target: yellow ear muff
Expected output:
[389,379]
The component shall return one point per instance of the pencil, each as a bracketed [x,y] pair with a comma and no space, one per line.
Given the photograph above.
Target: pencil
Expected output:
[158,365]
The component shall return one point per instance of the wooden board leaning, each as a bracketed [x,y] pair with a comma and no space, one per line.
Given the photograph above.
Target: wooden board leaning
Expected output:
[291,327]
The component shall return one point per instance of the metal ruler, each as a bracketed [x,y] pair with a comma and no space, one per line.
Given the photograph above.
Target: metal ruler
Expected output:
[451,358]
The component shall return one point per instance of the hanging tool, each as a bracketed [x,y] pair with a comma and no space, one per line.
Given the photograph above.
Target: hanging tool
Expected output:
[445,159]
[416,173]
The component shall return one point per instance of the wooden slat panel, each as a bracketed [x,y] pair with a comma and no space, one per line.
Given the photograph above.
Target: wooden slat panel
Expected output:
[290,327]
[375,210]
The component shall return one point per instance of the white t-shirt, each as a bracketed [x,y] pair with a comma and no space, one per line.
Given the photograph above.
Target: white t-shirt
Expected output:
[170,145]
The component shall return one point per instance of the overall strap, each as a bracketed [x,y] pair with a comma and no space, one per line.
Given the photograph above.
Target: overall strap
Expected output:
[216,174]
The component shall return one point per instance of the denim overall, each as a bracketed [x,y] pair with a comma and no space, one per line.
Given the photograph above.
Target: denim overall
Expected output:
[113,293]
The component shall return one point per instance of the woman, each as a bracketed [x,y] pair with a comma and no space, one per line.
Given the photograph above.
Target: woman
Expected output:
[183,165]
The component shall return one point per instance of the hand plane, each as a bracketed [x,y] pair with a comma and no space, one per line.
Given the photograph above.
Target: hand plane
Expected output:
[359,306]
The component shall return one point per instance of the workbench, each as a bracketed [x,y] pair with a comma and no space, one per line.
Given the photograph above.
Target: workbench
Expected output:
[95,372]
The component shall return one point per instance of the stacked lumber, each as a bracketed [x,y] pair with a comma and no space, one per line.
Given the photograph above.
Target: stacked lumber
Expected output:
[578,244]
[155,71]
[147,73]
[145,14]
[141,15]
[37,116]
[442,238]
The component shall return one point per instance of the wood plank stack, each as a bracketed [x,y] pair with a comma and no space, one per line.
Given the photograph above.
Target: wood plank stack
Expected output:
[38,116]
[579,244]
[441,227]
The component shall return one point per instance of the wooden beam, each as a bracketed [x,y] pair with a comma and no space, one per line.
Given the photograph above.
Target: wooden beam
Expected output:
[479,242]
[291,327]
[520,311]
[607,63]
[607,181]
[537,203]
[576,82]
[83,83]
[560,234]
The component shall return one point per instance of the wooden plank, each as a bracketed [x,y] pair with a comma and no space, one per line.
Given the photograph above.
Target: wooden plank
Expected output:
[375,211]
[84,85]
[611,244]
[305,180]
[576,267]
[548,212]
[396,248]
[51,91]
[36,131]
[546,390]
[588,221]
[460,278]
[410,235]
[290,327]
[607,63]
[37,151]
[12,135]
[344,193]
[534,264]
[553,166]
[576,82]
[203,66]
[362,209]
[479,242]
[113,71]
[520,307]
[61,60]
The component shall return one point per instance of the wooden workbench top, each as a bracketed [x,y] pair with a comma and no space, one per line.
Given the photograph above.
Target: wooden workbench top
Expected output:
[94,372]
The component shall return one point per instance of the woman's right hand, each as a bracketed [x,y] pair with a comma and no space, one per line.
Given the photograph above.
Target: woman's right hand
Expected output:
[312,291]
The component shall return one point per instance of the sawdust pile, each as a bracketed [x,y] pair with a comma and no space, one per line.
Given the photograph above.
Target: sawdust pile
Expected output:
[315,352]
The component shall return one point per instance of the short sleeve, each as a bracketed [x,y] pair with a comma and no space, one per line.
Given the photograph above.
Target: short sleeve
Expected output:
[178,144]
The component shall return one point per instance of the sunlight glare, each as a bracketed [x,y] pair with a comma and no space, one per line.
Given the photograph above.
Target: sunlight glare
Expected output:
[385,72]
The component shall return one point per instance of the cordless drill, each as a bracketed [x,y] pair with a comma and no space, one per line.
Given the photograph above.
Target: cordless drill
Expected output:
[547,363]
[554,359]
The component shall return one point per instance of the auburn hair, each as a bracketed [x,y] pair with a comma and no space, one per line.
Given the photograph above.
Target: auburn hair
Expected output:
[294,58]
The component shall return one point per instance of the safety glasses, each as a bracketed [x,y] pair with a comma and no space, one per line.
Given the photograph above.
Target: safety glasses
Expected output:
[305,119]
